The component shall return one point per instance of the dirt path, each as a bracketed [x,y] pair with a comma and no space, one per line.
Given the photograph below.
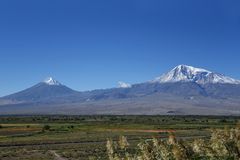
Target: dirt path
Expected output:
[57,156]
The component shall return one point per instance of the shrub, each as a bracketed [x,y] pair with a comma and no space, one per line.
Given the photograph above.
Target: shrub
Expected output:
[46,128]
[71,127]
[223,144]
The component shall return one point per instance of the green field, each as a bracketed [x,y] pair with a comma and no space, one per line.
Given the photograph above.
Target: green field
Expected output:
[84,137]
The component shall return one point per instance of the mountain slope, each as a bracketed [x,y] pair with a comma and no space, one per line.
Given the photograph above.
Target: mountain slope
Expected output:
[45,90]
[183,90]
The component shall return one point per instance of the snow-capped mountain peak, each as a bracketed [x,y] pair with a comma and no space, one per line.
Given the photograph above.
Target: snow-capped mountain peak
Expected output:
[123,85]
[185,73]
[51,81]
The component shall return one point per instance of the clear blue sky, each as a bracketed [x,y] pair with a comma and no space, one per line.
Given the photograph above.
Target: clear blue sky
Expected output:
[88,44]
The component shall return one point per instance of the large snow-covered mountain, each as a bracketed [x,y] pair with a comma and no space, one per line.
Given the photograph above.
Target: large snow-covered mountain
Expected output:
[182,90]
[184,73]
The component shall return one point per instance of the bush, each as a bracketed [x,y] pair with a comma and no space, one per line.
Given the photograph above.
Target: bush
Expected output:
[223,144]
[46,128]
[71,127]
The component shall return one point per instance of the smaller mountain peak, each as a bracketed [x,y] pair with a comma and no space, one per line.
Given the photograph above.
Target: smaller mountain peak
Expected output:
[124,85]
[51,81]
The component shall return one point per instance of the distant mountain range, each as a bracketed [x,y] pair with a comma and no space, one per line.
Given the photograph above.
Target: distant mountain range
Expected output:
[183,90]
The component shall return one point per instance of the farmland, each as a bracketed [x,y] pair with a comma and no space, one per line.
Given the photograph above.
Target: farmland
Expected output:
[84,137]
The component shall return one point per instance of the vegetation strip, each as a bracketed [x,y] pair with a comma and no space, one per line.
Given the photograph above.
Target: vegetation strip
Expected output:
[143,131]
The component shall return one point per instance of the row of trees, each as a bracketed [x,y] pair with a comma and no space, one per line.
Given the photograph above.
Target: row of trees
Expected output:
[223,144]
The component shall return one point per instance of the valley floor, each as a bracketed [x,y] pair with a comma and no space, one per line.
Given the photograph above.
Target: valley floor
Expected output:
[84,137]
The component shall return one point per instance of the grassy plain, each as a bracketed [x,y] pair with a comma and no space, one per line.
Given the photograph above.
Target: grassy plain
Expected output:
[84,137]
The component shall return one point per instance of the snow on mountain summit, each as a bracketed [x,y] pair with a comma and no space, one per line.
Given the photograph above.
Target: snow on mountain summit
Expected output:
[184,73]
[123,85]
[51,81]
